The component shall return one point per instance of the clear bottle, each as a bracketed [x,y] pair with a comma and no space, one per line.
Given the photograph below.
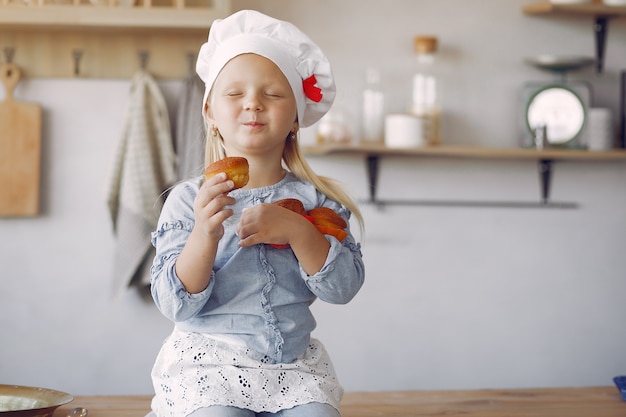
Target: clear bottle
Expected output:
[373,111]
[425,101]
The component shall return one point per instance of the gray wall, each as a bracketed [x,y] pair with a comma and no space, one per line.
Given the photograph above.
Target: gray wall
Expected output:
[455,298]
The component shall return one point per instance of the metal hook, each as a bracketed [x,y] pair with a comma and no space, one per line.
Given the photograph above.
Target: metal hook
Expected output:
[9,51]
[77,54]
[143,59]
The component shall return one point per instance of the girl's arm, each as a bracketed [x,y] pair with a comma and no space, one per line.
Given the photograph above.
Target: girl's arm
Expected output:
[342,275]
[195,262]
[185,241]
[333,270]
[272,224]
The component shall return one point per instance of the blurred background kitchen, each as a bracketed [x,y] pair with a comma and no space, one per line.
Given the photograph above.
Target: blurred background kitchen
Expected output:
[456,297]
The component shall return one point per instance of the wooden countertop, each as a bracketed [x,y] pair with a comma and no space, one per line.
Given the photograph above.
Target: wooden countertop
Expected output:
[545,402]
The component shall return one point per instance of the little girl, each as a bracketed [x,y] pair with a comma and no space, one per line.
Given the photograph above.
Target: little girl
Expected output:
[242,342]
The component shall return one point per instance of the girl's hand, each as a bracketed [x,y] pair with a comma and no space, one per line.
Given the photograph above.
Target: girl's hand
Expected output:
[210,206]
[272,224]
[195,262]
[268,223]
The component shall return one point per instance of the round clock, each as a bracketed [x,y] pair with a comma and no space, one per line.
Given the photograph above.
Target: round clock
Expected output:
[560,109]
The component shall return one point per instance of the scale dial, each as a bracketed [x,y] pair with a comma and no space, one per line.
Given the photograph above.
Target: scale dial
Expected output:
[558,108]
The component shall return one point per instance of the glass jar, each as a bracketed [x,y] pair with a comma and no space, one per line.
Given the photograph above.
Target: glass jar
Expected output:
[425,92]
[373,108]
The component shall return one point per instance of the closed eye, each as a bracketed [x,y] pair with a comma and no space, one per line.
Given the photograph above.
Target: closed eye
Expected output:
[274,94]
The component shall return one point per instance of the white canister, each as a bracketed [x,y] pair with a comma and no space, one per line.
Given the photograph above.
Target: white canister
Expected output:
[403,130]
[600,130]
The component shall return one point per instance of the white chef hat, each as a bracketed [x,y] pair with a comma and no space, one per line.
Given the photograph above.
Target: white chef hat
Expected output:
[302,62]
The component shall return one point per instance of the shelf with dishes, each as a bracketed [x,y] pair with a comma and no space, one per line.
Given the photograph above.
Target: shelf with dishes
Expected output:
[373,152]
[106,38]
[599,10]
[595,8]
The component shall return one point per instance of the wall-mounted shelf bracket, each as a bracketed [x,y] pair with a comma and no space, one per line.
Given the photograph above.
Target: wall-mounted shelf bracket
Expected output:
[600,29]
[596,9]
[372,175]
[544,158]
[545,177]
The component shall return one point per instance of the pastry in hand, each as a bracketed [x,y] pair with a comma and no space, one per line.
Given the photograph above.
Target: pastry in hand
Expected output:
[328,222]
[292,204]
[235,167]
[324,216]
[340,234]
[325,220]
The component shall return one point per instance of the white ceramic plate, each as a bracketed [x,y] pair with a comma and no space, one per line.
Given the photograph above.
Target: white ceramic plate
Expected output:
[19,401]
[560,62]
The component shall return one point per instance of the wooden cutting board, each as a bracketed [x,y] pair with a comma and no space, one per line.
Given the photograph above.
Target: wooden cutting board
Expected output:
[20,150]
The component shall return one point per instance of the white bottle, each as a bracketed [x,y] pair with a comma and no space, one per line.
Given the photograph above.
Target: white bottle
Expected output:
[425,100]
[373,111]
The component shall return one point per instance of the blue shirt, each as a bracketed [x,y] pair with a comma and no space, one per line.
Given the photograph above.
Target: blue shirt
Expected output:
[259,295]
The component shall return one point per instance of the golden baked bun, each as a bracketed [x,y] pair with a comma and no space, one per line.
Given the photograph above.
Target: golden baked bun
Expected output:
[340,234]
[328,222]
[325,220]
[324,216]
[292,204]
[235,167]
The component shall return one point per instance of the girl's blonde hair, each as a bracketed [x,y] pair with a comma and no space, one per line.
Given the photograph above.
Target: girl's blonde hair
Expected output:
[296,163]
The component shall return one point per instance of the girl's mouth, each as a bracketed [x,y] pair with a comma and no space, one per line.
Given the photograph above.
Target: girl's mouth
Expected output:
[254,124]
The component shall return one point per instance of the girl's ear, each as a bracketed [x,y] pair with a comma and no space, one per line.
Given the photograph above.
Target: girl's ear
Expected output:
[207,110]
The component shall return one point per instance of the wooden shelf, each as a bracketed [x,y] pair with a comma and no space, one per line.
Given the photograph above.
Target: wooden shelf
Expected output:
[544,158]
[600,12]
[51,39]
[594,9]
[87,16]
[468,152]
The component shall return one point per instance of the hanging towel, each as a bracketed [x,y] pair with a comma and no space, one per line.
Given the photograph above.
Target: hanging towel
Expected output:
[144,167]
[190,130]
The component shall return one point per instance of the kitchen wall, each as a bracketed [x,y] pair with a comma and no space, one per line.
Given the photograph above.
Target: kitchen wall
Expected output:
[455,297]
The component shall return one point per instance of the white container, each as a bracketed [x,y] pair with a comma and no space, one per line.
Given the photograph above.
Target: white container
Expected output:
[403,130]
[600,131]
[373,111]
[615,2]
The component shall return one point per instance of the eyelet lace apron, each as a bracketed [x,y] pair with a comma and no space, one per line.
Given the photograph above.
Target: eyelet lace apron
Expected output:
[193,370]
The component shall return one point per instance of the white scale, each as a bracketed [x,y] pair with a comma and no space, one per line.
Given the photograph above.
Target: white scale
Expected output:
[556,109]
[554,113]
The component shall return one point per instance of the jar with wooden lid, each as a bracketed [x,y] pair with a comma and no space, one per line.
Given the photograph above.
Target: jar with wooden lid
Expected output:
[425,90]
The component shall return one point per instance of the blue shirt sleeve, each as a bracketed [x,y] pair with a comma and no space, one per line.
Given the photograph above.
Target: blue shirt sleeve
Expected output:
[343,273]
[175,224]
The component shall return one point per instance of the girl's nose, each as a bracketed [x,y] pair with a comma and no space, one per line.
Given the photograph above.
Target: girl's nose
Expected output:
[252,103]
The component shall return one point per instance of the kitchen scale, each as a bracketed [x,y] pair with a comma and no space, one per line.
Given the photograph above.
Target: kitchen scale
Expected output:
[554,113]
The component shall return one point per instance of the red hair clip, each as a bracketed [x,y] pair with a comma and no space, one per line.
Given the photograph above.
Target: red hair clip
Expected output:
[310,90]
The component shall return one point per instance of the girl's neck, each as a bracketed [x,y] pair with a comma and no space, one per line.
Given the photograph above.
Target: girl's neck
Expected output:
[263,174]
